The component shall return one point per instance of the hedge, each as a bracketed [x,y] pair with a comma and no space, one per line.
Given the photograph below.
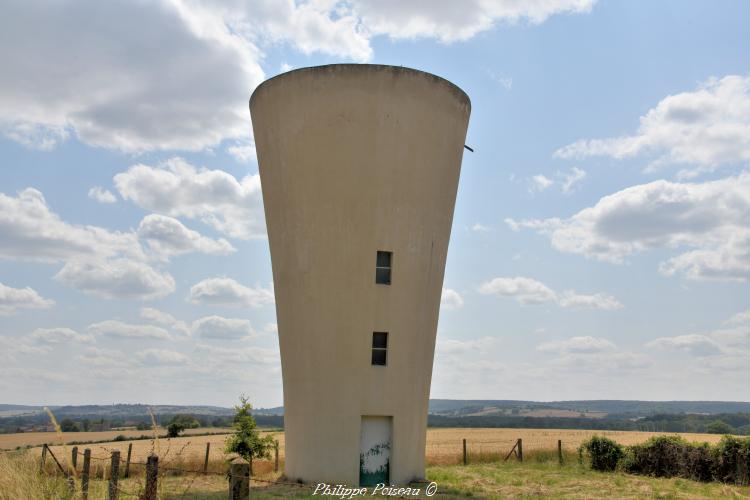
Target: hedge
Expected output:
[672,456]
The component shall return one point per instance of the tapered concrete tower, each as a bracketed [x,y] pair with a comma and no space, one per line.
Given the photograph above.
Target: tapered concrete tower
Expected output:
[359,167]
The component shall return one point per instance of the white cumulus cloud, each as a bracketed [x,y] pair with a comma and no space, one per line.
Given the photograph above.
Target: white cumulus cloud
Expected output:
[59,335]
[704,128]
[697,345]
[176,74]
[228,292]
[539,183]
[242,355]
[450,21]
[741,318]
[451,299]
[120,329]
[12,300]
[163,318]
[117,279]
[577,345]
[153,356]
[31,231]
[134,76]
[708,222]
[220,328]
[525,290]
[571,178]
[167,236]
[530,291]
[178,189]
[101,195]
[110,264]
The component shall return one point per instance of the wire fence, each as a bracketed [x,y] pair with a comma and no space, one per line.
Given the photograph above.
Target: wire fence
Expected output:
[115,468]
[109,465]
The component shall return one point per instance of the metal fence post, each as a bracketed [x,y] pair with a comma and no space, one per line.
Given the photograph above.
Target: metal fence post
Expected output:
[205,462]
[465,461]
[127,461]
[559,451]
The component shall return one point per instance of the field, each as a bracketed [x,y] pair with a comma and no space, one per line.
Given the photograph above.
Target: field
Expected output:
[444,445]
[537,477]
[11,441]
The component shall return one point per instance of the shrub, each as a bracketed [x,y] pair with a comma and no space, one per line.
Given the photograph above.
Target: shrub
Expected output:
[603,453]
[660,456]
[672,456]
[733,460]
[698,462]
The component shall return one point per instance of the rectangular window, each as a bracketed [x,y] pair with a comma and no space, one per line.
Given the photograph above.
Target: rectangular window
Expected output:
[383,268]
[379,348]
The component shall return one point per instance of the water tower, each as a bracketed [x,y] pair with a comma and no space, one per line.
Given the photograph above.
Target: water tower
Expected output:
[359,167]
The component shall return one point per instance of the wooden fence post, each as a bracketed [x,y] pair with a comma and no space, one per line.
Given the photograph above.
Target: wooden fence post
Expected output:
[519,449]
[205,462]
[559,451]
[152,475]
[44,457]
[127,461]
[276,456]
[114,473]
[74,457]
[85,474]
[239,481]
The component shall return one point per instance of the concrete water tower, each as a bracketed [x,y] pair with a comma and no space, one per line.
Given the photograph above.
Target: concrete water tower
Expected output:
[359,167]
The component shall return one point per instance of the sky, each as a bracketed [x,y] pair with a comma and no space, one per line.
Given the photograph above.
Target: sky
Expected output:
[601,241]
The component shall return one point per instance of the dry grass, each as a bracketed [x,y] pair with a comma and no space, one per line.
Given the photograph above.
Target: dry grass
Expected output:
[18,479]
[508,480]
[444,445]
[187,449]
[12,441]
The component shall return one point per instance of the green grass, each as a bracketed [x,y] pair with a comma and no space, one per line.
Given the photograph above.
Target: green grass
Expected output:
[550,480]
[535,478]
[514,480]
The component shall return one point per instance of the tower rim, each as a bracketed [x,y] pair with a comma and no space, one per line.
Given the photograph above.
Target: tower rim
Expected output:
[457,91]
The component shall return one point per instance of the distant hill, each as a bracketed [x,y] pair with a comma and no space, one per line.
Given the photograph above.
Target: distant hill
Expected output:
[14,410]
[21,418]
[442,407]
[590,408]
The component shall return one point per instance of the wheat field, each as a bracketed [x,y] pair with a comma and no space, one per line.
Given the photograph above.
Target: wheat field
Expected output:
[12,441]
[444,445]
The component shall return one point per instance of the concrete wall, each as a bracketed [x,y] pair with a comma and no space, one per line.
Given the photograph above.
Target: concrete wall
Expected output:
[354,159]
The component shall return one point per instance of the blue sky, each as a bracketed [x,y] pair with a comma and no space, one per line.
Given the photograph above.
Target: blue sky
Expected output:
[601,240]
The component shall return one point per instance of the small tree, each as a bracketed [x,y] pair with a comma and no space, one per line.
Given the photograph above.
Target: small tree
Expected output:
[719,427]
[174,429]
[67,425]
[181,422]
[246,440]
